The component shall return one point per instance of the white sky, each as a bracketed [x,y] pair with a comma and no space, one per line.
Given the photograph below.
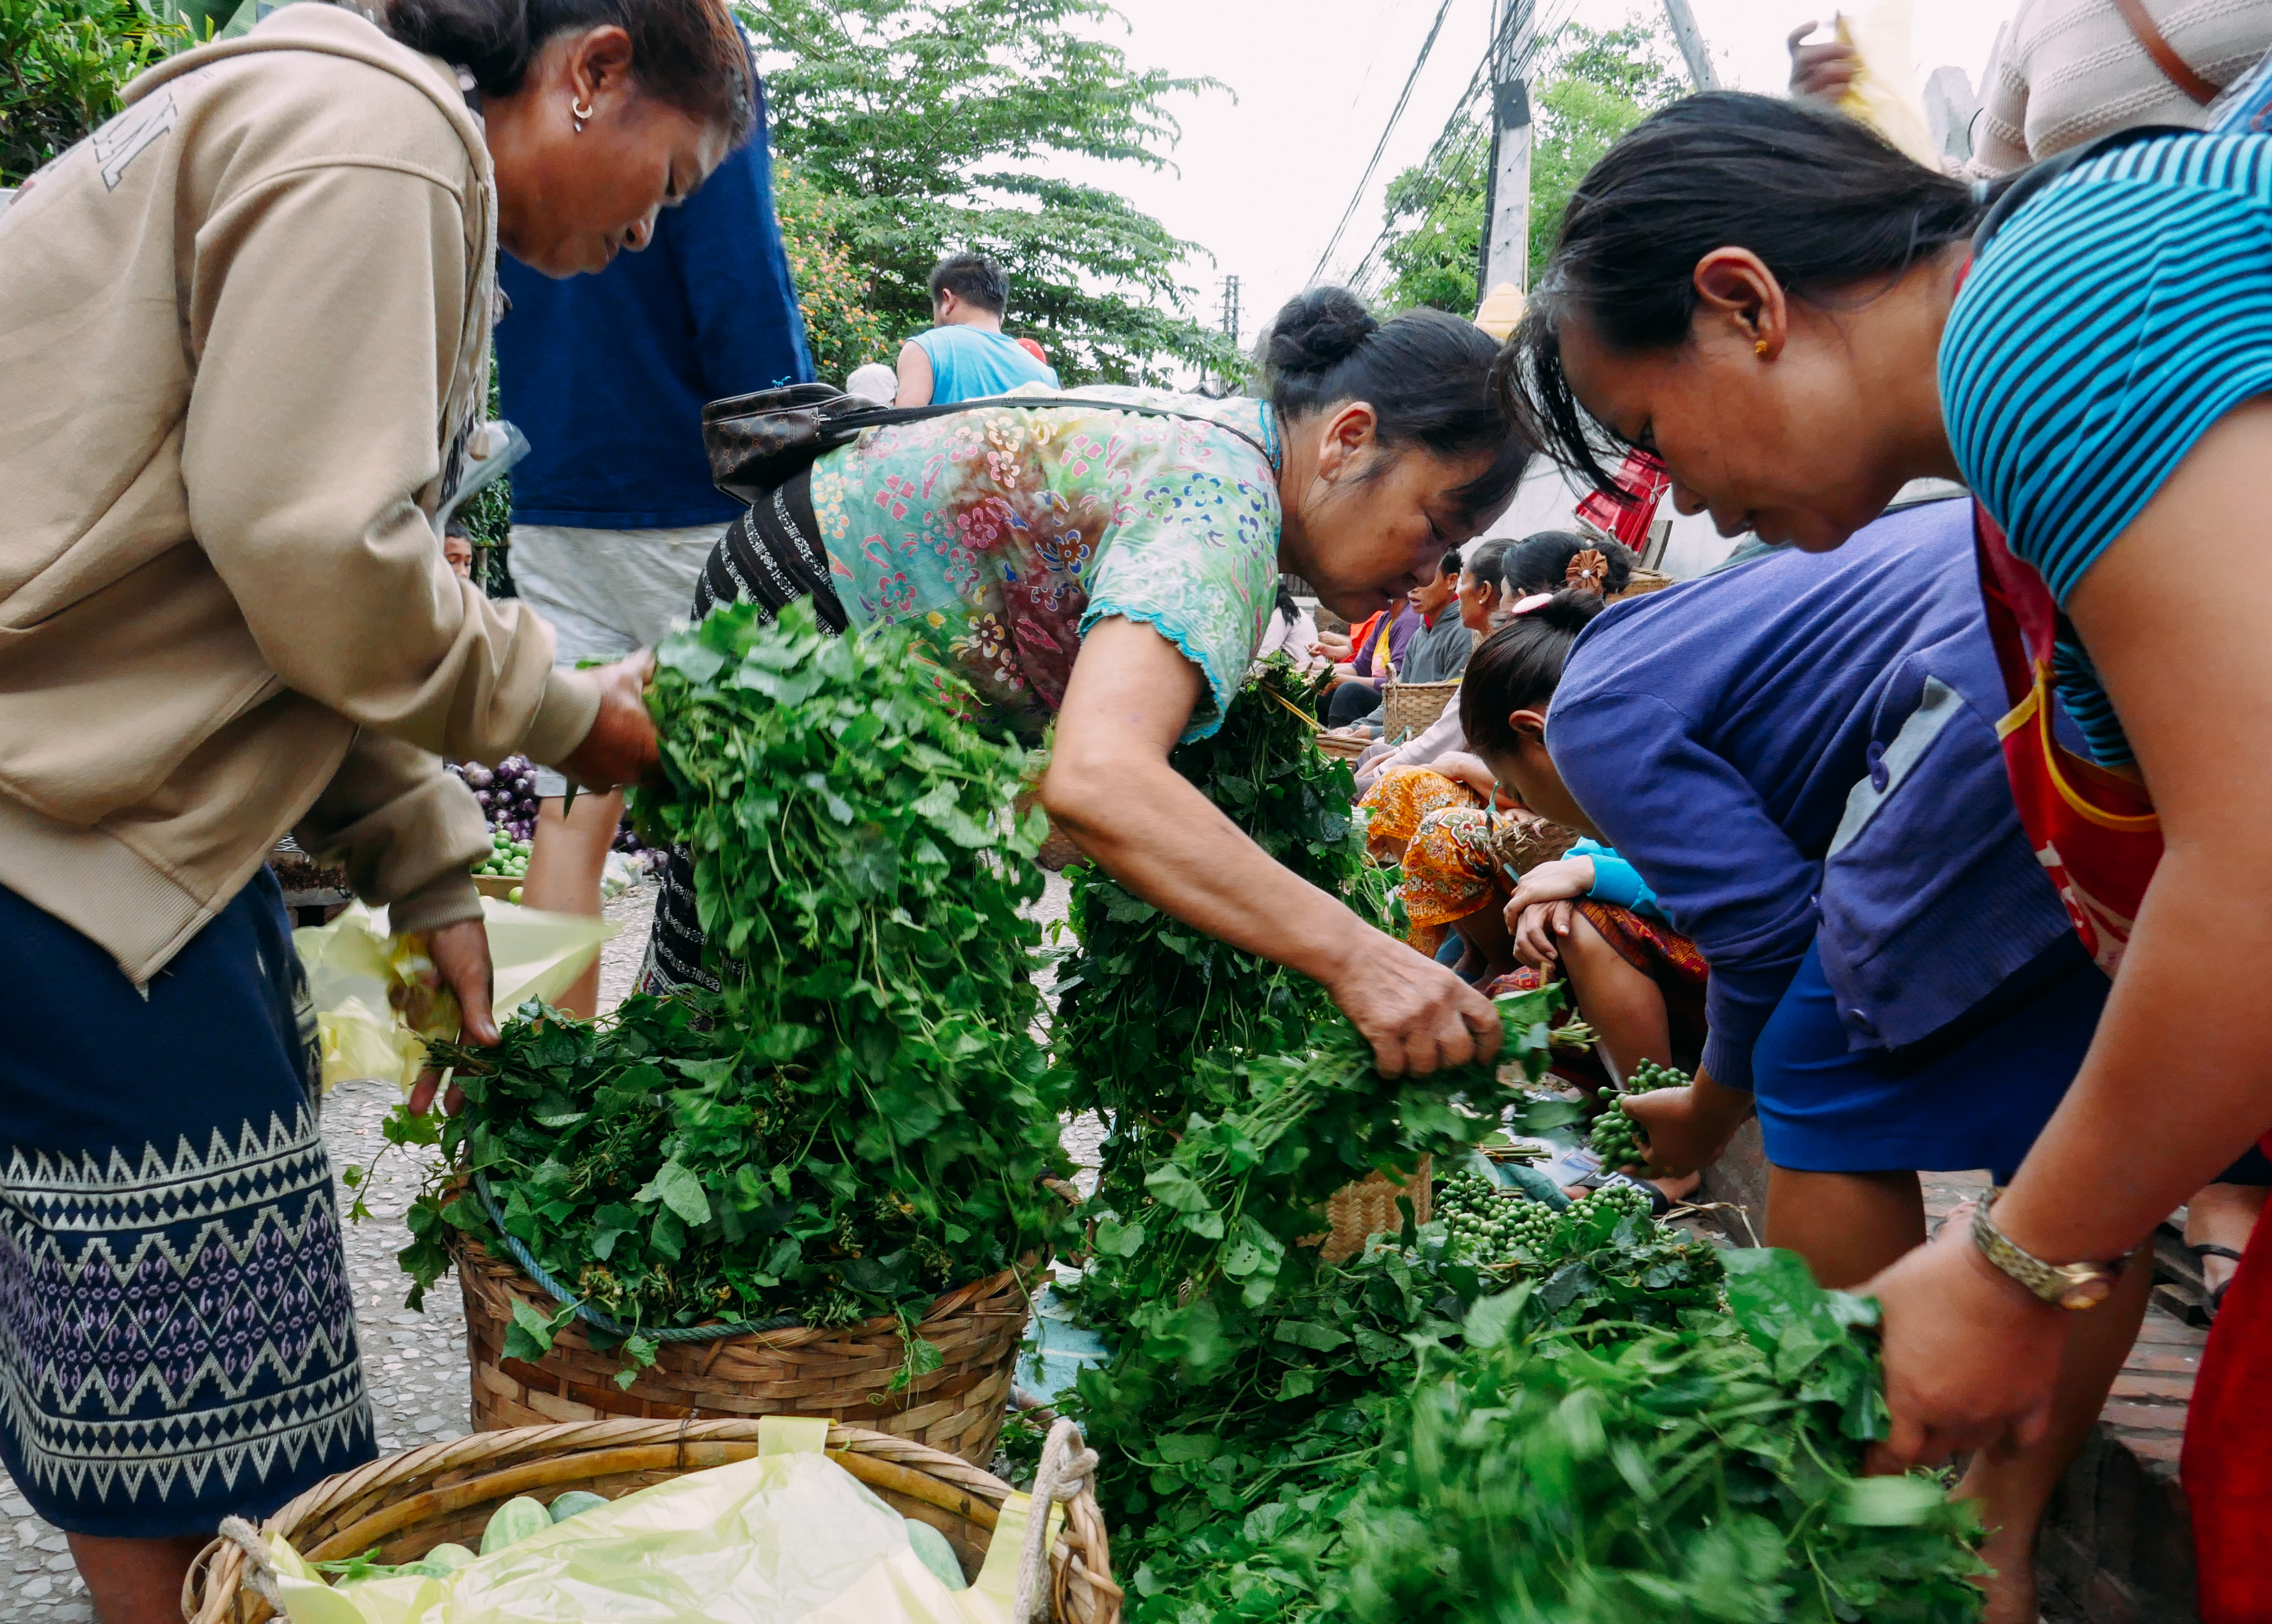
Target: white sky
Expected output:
[1261,180]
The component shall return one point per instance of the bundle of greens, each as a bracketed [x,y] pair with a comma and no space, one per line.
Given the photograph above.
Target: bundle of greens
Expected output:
[1700,1473]
[861,1117]
[1152,1015]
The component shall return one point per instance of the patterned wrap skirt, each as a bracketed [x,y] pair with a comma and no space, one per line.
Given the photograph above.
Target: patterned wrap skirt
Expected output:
[1457,854]
[177,1336]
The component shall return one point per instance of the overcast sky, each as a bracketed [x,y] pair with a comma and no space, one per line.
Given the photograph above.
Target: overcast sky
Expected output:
[1263,171]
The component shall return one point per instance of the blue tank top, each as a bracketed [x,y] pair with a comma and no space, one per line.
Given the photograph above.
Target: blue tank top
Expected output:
[967,363]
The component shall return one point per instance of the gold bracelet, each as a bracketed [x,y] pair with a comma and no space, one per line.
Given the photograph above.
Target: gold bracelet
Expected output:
[2074,1286]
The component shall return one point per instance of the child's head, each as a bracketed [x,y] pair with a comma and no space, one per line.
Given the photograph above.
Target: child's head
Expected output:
[1430,598]
[1510,683]
[458,547]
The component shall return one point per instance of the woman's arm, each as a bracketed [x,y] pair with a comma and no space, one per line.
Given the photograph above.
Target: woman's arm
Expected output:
[1111,788]
[2179,1078]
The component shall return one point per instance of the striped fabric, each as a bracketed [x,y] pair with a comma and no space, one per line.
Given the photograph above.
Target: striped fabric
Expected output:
[2106,327]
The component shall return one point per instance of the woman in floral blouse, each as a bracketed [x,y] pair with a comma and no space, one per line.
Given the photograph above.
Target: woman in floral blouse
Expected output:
[1113,565]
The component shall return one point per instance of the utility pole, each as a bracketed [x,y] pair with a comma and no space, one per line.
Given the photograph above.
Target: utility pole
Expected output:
[1506,243]
[1691,39]
[1231,308]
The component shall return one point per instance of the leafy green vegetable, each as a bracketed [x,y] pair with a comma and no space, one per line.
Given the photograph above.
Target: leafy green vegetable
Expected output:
[861,1117]
[1698,1473]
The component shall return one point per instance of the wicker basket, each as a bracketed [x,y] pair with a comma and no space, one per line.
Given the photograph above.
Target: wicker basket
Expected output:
[1343,746]
[406,1504]
[842,1374]
[1367,1208]
[1641,581]
[1413,707]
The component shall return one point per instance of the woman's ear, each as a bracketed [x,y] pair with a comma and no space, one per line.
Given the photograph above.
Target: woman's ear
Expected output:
[1529,726]
[1344,440]
[1736,292]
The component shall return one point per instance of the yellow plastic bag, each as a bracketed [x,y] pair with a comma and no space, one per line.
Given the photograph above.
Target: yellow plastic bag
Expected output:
[374,1013]
[1884,93]
[789,1538]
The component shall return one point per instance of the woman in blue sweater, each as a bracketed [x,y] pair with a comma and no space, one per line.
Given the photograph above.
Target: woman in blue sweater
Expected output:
[1799,758]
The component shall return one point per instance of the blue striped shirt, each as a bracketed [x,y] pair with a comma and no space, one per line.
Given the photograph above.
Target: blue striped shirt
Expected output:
[2105,328]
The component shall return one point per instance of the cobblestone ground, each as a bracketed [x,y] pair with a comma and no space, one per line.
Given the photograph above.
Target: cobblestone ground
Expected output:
[414,1363]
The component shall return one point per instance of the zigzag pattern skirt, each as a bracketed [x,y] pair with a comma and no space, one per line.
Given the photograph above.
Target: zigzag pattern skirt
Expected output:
[177,1328]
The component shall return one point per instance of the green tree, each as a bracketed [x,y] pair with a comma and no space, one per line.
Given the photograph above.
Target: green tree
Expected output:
[1593,86]
[933,125]
[831,290]
[62,65]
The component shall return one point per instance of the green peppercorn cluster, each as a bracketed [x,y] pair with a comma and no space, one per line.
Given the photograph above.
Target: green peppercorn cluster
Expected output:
[1616,1137]
[1488,1223]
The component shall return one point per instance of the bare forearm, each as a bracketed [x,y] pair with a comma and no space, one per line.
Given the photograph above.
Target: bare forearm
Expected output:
[2179,1082]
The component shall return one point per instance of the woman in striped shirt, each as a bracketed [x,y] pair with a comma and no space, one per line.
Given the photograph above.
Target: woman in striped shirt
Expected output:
[1792,317]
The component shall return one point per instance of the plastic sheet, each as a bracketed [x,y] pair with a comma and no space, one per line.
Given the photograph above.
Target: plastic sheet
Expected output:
[789,1538]
[374,1010]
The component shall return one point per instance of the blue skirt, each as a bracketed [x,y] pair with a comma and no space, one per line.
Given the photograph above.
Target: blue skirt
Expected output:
[176,1327]
[1975,1094]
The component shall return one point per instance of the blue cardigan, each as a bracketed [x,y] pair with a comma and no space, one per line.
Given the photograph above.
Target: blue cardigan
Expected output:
[1803,749]
[607,374]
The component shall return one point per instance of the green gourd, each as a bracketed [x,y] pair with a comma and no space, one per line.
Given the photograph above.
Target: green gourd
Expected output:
[515,1520]
[574,1502]
[933,1550]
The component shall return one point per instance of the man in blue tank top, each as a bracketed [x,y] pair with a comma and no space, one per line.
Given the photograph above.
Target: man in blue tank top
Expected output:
[966,356]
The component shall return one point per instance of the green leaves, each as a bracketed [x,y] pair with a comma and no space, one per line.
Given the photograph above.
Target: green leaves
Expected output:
[860,1118]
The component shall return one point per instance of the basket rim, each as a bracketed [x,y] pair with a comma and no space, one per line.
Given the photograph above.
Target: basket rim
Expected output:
[507,1461]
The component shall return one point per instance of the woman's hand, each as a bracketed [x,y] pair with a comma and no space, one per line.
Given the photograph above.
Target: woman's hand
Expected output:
[1687,1128]
[1824,70]
[460,953]
[1539,914]
[621,747]
[1467,769]
[1418,1017]
[1970,1357]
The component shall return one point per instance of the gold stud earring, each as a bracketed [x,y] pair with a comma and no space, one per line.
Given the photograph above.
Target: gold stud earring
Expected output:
[1760,348]
[579,113]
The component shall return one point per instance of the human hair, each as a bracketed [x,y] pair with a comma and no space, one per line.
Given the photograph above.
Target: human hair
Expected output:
[1426,374]
[974,279]
[1541,563]
[1823,199]
[1488,563]
[1448,567]
[1519,666]
[689,52]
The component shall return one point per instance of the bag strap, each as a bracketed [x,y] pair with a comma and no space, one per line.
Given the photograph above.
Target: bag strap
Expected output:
[2175,68]
[891,417]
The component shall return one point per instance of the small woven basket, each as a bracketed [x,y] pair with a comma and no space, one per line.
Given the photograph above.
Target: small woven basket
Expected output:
[1413,707]
[844,1373]
[1342,746]
[1358,1212]
[406,1504]
[1639,581]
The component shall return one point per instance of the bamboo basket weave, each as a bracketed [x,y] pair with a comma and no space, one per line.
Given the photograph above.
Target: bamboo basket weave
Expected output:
[1358,1212]
[406,1504]
[1639,581]
[843,1372]
[1413,707]
[1342,746]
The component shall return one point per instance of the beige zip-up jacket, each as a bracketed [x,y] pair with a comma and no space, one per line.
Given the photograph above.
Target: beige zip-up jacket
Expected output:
[242,327]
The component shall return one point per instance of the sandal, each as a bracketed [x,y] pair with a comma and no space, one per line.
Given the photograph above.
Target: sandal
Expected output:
[2211,1301]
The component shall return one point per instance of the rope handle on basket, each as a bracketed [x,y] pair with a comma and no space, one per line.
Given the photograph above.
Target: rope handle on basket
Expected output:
[1067,1465]
[260,1569]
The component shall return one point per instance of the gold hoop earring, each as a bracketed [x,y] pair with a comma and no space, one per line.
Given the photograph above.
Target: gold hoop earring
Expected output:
[579,113]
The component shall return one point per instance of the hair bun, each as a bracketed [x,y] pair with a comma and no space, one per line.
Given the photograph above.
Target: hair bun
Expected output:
[1318,329]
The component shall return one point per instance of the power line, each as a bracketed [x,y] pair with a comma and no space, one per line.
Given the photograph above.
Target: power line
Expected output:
[1381,146]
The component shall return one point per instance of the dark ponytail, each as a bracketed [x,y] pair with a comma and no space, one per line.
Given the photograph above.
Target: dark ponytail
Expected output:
[689,52]
[1426,376]
[1822,198]
[1519,666]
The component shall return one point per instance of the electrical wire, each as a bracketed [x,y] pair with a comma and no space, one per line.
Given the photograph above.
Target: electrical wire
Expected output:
[1396,113]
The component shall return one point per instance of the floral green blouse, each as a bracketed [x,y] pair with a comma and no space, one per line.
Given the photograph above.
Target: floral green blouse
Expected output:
[1010,531]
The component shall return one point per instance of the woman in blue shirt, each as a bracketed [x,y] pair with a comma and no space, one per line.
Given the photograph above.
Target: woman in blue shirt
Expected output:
[1792,317]
[1798,756]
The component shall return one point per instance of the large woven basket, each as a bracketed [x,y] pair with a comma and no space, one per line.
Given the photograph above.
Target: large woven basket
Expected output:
[1367,1208]
[406,1504]
[1413,707]
[843,1373]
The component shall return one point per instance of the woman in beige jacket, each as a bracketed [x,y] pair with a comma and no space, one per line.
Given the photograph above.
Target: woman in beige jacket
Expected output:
[245,335]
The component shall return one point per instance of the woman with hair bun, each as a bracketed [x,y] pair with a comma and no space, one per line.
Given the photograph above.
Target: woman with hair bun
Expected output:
[1113,564]
[1797,320]
[1795,760]
[247,327]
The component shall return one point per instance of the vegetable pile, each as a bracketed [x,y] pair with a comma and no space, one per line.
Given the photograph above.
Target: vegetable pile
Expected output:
[508,858]
[862,1117]
[1702,1471]
[508,798]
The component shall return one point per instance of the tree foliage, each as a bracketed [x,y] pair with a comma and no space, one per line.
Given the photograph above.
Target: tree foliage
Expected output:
[63,63]
[839,327]
[934,125]
[1596,84]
